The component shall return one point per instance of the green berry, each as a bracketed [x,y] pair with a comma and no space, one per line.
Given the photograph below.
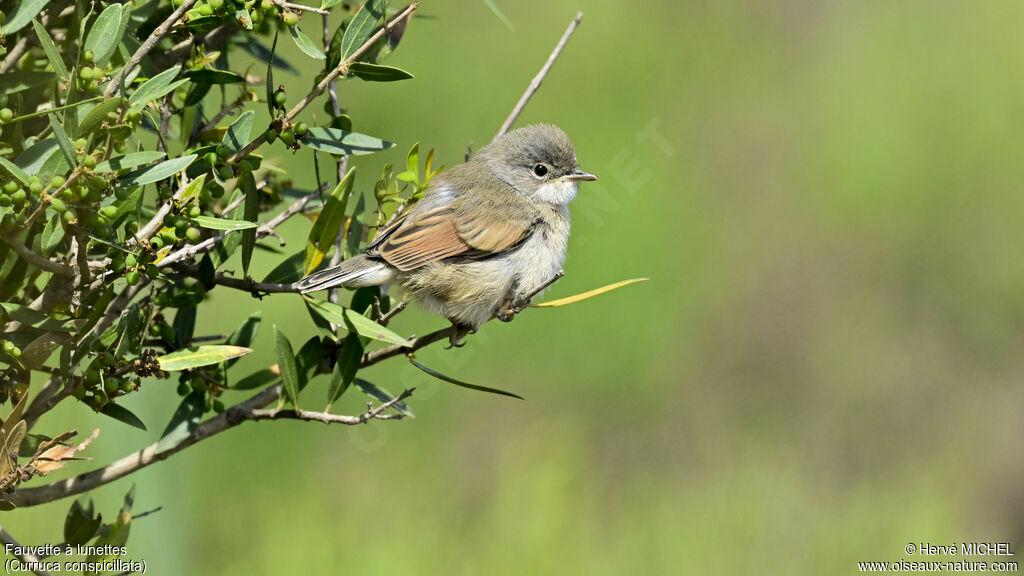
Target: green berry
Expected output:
[5,200]
[194,211]
[218,406]
[132,277]
[109,212]
[280,97]
[58,205]
[216,4]
[35,187]
[270,135]
[223,152]
[110,386]
[10,186]
[290,18]
[89,162]
[57,181]
[287,136]
[193,234]
[301,129]
[169,237]
[6,115]
[78,391]
[205,9]
[87,56]
[130,260]
[19,196]
[183,389]
[85,73]
[226,172]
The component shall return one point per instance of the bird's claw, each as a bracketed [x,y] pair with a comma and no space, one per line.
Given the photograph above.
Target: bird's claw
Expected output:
[459,332]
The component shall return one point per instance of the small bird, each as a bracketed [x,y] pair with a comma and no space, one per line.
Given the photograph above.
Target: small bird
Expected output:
[485,236]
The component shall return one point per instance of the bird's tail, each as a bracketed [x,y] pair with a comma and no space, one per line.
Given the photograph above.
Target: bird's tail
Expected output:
[355,272]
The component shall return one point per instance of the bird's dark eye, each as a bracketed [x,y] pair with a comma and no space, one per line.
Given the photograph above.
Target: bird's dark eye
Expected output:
[540,170]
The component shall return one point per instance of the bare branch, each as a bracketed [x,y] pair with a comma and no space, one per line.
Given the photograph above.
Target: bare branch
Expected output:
[156,36]
[339,70]
[35,259]
[535,83]
[371,358]
[289,6]
[251,409]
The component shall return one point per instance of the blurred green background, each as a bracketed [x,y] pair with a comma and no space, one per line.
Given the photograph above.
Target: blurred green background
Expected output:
[825,365]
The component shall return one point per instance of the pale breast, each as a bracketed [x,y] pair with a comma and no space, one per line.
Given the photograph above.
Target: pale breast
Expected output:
[542,255]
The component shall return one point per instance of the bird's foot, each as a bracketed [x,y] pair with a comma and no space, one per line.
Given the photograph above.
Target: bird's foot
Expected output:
[459,332]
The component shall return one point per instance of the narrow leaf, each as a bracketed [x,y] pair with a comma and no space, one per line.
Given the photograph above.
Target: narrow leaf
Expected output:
[103,37]
[197,356]
[244,334]
[183,422]
[223,223]
[156,173]
[257,379]
[81,523]
[362,26]
[66,147]
[237,135]
[378,73]
[131,160]
[118,412]
[371,389]
[97,115]
[154,88]
[214,77]
[328,224]
[14,170]
[587,294]
[286,363]
[305,44]
[52,54]
[24,12]
[451,380]
[334,141]
[345,368]
[356,322]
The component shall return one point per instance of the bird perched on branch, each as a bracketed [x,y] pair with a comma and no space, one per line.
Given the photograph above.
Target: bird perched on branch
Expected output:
[485,237]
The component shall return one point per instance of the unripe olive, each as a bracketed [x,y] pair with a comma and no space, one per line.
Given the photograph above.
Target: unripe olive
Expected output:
[5,200]
[97,182]
[57,181]
[85,73]
[109,212]
[89,162]
[270,135]
[193,234]
[58,205]
[290,19]
[78,391]
[205,9]
[117,263]
[301,129]
[130,260]
[280,97]
[226,172]
[216,4]
[211,158]
[218,406]
[287,136]
[222,151]
[152,271]
[10,186]
[169,237]
[194,211]
[19,196]
[6,115]
[183,389]
[87,56]
[110,386]
[197,383]
[132,277]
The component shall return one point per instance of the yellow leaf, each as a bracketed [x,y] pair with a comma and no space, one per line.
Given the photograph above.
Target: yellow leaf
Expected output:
[588,294]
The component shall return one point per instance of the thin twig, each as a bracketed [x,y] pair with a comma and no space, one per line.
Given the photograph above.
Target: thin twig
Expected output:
[371,358]
[251,409]
[14,54]
[339,70]
[155,36]
[385,318]
[289,6]
[535,84]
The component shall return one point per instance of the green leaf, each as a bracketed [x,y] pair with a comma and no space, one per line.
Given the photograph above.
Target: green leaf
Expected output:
[334,141]
[286,364]
[270,74]
[412,159]
[244,334]
[325,230]
[451,380]
[155,87]
[328,4]
[494,8]
[345,368]
[105,34]
[63,141]
[183,422]
[587,294]
[356,322]
[214,77]
[52,54]
[81,522]
[52,235]
[305,44]
[12,82]
[362,26]
[242,17]
[252,207]
[156,173]
[223,223]
[378,73]
[289,270]
[14,170]
[131,160]
[97,115]
[371,389]
[24,12]
[308,360]
[192,190]
[196,356]
[118,412]
[237,135]
[257,379]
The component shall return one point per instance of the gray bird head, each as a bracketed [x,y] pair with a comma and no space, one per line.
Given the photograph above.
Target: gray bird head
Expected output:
[537,160]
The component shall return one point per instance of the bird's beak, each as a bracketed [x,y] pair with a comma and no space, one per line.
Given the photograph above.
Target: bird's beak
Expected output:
[579,175]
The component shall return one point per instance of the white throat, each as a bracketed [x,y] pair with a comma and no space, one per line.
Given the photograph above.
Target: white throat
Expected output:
[558,192]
